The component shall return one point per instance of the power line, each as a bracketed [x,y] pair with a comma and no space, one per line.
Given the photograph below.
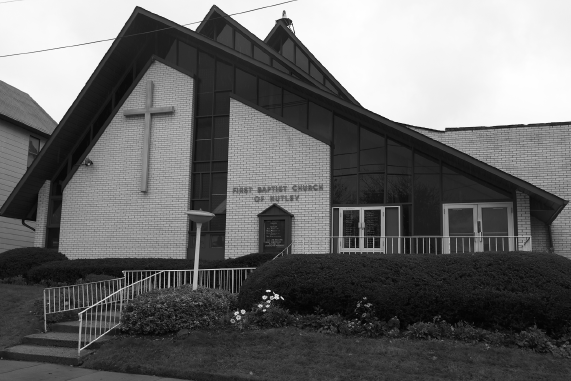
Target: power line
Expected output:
[9,1]
[133,35]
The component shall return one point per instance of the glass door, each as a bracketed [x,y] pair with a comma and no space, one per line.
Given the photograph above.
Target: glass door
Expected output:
[478,227]
[369,229]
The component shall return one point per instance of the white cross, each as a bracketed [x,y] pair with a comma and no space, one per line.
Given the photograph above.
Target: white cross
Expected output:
[147,111]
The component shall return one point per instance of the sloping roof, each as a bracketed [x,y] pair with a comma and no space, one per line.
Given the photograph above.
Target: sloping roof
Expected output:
[19,107]
[107,75]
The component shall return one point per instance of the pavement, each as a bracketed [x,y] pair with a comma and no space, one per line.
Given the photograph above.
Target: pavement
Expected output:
[11,370]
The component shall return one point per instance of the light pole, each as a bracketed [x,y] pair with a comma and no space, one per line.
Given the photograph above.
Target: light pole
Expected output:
[199,217]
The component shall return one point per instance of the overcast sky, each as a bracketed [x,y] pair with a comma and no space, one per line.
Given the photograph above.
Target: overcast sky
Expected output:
[429,63]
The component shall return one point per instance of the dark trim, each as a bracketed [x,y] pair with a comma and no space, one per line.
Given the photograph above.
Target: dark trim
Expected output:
[265,211]
[281,119]
[28,226]
[25,126]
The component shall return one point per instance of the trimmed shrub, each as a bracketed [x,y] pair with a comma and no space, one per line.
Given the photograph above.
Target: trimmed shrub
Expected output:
[70,271]
[170,310]
[510,291]
[17,262]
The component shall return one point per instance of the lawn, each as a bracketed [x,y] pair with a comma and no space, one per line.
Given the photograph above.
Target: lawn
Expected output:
[293,354]
[17,318]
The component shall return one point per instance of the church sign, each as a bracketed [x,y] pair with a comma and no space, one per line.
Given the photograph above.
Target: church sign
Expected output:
[275,193]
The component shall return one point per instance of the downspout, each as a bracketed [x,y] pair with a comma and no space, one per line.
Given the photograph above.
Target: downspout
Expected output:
[26,225]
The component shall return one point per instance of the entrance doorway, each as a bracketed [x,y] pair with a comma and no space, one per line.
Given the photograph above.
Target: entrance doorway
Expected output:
[478,227]
[369,229]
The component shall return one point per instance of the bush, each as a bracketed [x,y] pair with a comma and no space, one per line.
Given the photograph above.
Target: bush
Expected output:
[17,262]
[510,291]
[70,271]
[170,310]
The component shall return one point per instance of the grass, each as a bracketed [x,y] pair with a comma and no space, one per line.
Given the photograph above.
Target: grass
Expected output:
[17,316]
[293,354]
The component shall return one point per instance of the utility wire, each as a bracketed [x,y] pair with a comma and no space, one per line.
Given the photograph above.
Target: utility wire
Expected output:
[9,1]
[136,34]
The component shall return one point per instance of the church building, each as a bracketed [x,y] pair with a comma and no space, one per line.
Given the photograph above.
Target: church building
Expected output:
[262,135]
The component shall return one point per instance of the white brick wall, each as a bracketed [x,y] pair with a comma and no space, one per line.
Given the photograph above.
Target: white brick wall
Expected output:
[540,155]
[104,214]
[266,152]
[42,215]
[523,218]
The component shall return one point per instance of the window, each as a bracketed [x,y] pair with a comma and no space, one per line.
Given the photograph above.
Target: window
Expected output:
[33,149]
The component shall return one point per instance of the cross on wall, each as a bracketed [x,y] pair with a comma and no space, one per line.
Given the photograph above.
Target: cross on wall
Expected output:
[147,111]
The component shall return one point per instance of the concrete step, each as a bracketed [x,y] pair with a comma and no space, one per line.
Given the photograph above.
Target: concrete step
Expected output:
[60,339]
[73,326]
[57,355]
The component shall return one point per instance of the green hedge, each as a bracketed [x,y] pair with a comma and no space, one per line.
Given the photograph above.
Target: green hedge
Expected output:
[72,270]
[169,310]
[491,290]
[17,262]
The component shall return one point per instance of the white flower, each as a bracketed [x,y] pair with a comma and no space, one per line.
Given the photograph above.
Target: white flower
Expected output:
[267,306]
[364,298]
[259,306]
[271,298]
[232,321]
[276,296]
[264,297]
[263,310]
[268,290]
[236,312]
[238,317]
[243,312]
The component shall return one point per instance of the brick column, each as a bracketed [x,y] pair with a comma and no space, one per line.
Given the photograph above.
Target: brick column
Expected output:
[42,215]
[523,220]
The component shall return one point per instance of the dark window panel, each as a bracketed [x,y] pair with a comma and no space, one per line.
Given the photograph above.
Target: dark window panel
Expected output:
[219,183]
[345,136]
[218,222]
[205,104]
[261,56]
[55,216]
[171,55]
[372,188]
[372,152]
[187,56]
[279,66]
[320,121]
[399,188]
[202,151]
[53,238]
[246,85]
[460,188]
[205,73]
[201,167]
[344,190]
[399,158]
[301,60]
[224,76]
[288,48]
[208,31]
[221,127]
[217,240]
[243,45]
[220,149]
[425,164]
[270,97]
[330,86]
[345,164]
[295,109]
[201,186]
[219,205]
[225,36]
[220,166]
[315,73]
[204,128]
[426,203]
[222,103]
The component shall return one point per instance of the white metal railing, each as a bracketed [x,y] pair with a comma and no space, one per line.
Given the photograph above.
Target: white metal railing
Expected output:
[77,296]
[285,251]
[410,244]
[105,315]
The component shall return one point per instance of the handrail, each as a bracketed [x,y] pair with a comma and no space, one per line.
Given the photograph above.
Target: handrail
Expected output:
[286,251]
[76,296]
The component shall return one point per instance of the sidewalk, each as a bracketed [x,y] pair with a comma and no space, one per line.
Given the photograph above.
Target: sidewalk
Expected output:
[36,371]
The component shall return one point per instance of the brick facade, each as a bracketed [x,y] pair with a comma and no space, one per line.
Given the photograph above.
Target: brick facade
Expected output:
[265,152]
[104,214]
[523,218]
[42,215]
[538,154]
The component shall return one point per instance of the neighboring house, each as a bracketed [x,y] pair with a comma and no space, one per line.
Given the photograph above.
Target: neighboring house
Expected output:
[24,129]
[262,135]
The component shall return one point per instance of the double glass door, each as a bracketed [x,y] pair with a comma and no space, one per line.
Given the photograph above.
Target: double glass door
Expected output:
[478,227]
[369,229]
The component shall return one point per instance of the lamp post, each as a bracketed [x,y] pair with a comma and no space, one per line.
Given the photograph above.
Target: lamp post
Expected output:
[199,217]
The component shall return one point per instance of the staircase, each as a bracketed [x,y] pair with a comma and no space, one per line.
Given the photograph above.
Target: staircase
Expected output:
[59,345]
